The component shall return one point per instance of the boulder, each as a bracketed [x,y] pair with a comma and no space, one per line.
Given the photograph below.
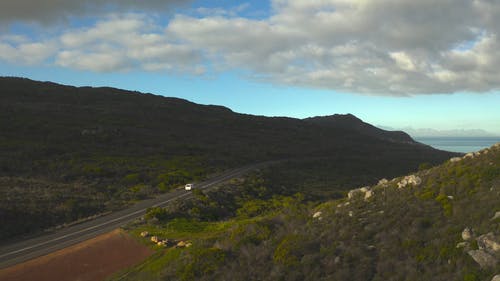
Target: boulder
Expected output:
[364,191]
[383,182]
[410,180]
[496,278]
[369,194]
[144,234]
[155,239]
[469,155]
[317,215]
[489,243]
[496,216]
[181,244]
[467,234]
[455,159]
[483,258]
[463,245]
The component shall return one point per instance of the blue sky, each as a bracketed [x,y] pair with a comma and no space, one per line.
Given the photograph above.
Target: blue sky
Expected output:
[397,65]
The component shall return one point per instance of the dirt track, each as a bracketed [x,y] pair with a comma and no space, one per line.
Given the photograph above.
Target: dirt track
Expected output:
[91,260]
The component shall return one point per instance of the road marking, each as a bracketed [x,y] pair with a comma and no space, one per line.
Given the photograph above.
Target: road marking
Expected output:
[205,186]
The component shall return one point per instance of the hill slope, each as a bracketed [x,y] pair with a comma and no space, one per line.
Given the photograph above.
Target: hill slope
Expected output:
[437,224]
[351,122]
[68,152]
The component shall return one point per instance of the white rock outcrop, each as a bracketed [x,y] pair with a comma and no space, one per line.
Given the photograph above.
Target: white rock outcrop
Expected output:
[489,249]
[365,192]
[467,234]
[455,159]
[496,216]
[483,258]
[489,243]
[317,215]
[410,180]
[369,194]
[383,182]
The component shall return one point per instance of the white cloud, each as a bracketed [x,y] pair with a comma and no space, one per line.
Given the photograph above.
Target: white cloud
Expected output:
[391,47]
[122,43]
[19,51]
[382,47]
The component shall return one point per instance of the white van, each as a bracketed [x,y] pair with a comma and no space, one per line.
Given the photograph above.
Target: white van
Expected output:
[189,186]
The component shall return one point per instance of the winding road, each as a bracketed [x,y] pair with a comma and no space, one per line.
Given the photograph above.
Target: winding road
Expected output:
[47,243]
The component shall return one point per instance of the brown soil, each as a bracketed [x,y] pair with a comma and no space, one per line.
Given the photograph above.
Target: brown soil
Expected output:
[91,260]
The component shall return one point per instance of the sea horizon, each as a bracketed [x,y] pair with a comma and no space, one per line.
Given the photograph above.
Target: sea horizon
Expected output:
[459,144]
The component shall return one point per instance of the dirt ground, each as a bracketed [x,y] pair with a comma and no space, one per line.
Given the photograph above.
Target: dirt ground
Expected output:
[91,260]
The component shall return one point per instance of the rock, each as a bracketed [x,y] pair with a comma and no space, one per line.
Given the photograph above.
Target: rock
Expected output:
[144,234]
[317,215]
[496,278]
[369,194]
[360,191]
[483,258]
[155,239]
[410,180]
[469,155]
[351,213]
[496,216]
[162,243]
[383,182]
[189,244]
[463,245]
[489,243]
[336,260]
[467,234]
[181,244]
[455,159]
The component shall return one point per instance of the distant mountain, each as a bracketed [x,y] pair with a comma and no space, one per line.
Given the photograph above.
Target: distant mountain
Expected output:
[351,122]
[69,152]
[428,132]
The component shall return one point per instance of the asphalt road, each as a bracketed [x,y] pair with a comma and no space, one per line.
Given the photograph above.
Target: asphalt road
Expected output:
[47,243]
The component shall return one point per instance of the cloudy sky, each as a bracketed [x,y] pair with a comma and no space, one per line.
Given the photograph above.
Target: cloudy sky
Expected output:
[397,63]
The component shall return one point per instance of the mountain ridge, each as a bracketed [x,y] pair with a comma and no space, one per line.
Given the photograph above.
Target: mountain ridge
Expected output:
[90,150]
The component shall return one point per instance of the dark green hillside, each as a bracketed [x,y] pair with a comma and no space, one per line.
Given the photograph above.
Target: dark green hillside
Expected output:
[68,152]
[407,228]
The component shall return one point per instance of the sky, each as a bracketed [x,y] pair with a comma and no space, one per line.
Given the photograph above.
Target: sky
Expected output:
[396,63]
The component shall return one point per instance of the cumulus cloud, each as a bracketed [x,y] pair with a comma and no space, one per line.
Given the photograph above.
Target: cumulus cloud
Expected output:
[48,11]
[380,47]
[20,50]
[394,47]
[122,43]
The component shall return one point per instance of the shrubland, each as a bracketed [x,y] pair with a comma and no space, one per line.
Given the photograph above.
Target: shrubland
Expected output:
[409,228]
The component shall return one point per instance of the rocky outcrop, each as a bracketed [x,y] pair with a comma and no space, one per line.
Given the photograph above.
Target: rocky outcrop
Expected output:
[489,242]
[496,216]
[488,252]
[496,278]
[455,159]
[383,182]
[483,258]
[317,215]
[410,180]
[467,234]
[365,192]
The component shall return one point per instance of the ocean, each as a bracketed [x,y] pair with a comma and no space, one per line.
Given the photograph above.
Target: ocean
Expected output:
[459,144]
